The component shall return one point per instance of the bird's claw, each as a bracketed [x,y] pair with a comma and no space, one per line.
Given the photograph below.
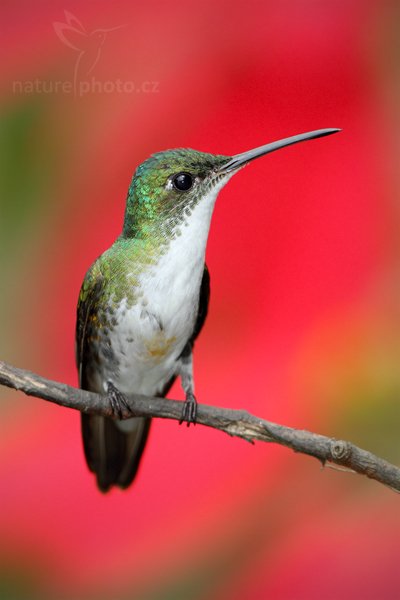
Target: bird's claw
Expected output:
[189,410]
[117,401]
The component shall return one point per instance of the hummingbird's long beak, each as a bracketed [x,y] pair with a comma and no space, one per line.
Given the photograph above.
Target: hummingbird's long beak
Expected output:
[241,159]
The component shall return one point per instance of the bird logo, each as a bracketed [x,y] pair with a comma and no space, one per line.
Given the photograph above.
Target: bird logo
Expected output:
[88,44]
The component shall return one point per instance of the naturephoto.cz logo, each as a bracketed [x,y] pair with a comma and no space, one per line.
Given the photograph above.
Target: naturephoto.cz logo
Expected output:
[88,47]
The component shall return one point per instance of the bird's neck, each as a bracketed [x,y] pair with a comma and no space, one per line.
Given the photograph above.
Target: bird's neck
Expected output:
[183,243]
[187,229]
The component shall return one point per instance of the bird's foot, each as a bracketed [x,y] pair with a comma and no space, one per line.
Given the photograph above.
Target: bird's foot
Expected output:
[117,400]
[189,410]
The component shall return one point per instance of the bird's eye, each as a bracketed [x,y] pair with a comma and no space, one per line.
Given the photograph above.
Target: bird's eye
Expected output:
[182,181]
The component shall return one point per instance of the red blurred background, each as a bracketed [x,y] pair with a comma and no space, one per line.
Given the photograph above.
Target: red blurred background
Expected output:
[304,320]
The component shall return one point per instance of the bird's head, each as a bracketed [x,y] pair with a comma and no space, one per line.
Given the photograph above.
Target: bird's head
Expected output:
[167,187]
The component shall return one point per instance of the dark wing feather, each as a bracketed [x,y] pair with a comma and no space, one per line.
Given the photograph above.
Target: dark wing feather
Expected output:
[203,304]
[88,298]
[113,455]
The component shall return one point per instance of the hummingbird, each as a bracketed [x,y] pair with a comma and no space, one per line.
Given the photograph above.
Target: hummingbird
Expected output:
[144,301]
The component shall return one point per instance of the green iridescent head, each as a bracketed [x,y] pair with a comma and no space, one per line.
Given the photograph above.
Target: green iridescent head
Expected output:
[167,186]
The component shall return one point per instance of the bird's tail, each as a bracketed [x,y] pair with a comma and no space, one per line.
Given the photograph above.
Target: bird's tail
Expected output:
[113,449]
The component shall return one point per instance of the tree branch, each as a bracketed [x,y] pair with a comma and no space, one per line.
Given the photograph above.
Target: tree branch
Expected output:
[237,423]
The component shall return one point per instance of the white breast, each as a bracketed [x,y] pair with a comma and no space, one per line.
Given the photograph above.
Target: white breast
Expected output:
[151,335]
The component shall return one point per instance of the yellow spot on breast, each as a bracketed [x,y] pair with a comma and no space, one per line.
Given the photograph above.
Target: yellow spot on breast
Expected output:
[159,345]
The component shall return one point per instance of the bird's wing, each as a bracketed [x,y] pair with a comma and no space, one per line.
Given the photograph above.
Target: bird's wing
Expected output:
[203,304]
[111,453]
[87,302]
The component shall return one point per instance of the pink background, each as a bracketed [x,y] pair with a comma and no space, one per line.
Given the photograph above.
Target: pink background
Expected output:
[304,319]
